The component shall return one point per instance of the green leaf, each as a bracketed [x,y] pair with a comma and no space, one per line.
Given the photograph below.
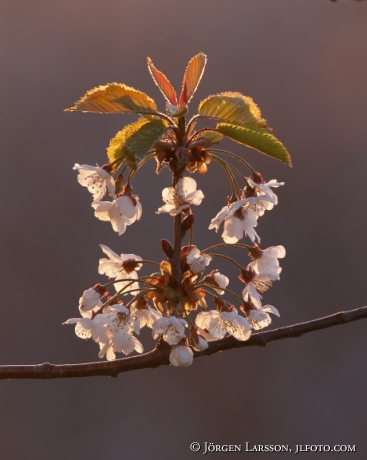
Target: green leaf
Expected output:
[115,151]
[256,138]
[135,140]
[232,107]
[115,98]
[192,76]
[211,137]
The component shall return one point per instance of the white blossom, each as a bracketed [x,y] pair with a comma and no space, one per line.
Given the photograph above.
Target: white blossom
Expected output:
[96,179]
[219,218]
[268,264]
[265,190]
[113,268]
[239,218]
[126,346]
[259,317]
[121,212]
[144,317]
[207,336]
[86,328]
[119,327]
[261,205]
[235,227]
[111,330]
[221,323]
[197,260]
[181,197]
[171,328]
[254,283]
[181,355]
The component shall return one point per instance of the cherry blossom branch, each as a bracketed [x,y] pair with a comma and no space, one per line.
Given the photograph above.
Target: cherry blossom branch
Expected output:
[160,355]
[178,235]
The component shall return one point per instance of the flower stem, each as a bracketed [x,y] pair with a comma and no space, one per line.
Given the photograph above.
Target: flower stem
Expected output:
[141,294]
[234,156]
[234,186]
[229,292]
[227,258]
[202,130]
[130,281]
[150,155]
[213,294]
[232,168]
[191,122]
[178,236]
[240,245]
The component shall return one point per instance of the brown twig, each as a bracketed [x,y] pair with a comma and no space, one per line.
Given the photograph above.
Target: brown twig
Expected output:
[160,355]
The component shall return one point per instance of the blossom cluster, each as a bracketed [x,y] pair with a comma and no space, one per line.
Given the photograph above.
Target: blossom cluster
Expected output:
[161,301]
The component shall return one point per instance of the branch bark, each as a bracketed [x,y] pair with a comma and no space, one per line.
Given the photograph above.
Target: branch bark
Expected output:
[160,355]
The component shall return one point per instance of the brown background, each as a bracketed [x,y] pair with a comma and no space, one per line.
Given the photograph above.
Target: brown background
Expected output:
[305,63]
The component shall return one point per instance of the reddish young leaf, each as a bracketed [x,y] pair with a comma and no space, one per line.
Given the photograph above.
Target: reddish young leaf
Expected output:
[163,83]
[193,73]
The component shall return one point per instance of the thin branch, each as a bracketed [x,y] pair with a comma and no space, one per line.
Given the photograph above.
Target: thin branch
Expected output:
[160,355]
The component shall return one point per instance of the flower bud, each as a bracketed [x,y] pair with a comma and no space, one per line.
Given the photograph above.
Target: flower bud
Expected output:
[217,280]
[89,299]
[181,355]
[174,111]
[187,223]
[167,248]
[197,342]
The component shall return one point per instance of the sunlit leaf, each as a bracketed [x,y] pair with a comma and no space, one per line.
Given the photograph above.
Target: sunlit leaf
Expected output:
[135,140]
[256,138]
[192,76]
[115,152]
[163,83]
[211,137]
[232,107]
[206,139]
[115,98]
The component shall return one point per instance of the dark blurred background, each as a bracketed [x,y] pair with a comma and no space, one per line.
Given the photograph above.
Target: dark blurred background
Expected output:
[305,63]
